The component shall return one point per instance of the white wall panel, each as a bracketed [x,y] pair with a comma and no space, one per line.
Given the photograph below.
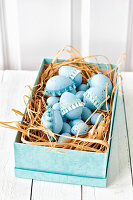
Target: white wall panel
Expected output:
[45,27]
[108,27]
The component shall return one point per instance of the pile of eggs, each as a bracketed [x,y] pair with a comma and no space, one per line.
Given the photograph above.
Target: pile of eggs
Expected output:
[71,103]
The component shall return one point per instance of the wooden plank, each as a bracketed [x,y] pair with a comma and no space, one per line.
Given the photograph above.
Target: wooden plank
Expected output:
[55,191]
[128,100]
[119,175]
[11,96]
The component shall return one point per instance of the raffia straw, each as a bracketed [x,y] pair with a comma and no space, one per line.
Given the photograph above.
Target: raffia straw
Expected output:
[32,130]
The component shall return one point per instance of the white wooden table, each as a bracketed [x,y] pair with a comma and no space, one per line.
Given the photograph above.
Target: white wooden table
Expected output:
[12,89]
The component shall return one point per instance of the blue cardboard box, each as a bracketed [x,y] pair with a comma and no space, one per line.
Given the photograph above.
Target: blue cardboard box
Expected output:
[73,167]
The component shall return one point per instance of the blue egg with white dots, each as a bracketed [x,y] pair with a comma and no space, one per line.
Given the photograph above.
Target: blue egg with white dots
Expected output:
[100,80]
[56,106]
[63,139]
[77,127]
[66,128]
[94,97]
[86,113]
[94,118]
[52,120]
[104,106]
[52,100]
[71,72]
[76,121]
[79,95]
[82,87]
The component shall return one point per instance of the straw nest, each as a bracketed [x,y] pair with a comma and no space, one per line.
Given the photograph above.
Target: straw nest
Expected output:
[34,133]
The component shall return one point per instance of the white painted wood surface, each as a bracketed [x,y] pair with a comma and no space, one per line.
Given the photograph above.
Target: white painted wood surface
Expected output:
[34,29]
[120,178]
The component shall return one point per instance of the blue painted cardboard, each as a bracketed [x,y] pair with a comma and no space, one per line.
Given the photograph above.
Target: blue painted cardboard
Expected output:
[72,166]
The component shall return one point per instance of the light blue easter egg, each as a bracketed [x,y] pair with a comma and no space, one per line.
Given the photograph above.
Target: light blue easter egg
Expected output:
[76,128]
[82,87]
[63,139]
[94,118]
[56,106]
[70,106]
[52,100]
[73,91]
[79,95]
[75,121]
[52,120]
[86,113]
[72,73]
[57,85]
[104,106]
[93,97]
[100,80]
[66,128]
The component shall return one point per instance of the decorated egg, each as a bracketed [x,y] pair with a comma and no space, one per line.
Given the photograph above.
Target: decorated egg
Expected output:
[52,120]
[93,97]
[52,100]
[104,106]
[79,95]
[57,85]
[75,121]
[100,80]
[82,87]
[76,128]
[70,106]
[95,117]
[63,139]
[56,106]
[86,113]
[71,72]
[66,128]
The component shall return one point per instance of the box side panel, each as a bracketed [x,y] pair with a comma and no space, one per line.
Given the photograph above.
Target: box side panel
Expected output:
[51,177]
[71,162]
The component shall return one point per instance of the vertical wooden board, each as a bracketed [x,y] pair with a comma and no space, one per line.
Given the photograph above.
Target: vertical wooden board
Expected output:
[55,191]
[128,100]
[119,185]
[45,28]
[11,96]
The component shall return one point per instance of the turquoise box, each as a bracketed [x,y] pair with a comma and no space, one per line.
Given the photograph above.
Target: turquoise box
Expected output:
[72,167]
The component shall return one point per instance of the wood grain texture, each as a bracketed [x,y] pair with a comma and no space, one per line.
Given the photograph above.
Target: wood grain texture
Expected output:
[11,96]
[128,100]
[119,176]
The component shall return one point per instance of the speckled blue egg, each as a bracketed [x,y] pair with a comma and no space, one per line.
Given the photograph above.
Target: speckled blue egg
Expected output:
[94,118]
[76,127]
[82,87]
[75,121]
[93,97]
[52,120]
[63,139]
[72,73]
[57,85]
[66,128]
[56,106]
[86,113]
[104,106]
[70,106]
[100,80]
[79,95]
[52,100]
